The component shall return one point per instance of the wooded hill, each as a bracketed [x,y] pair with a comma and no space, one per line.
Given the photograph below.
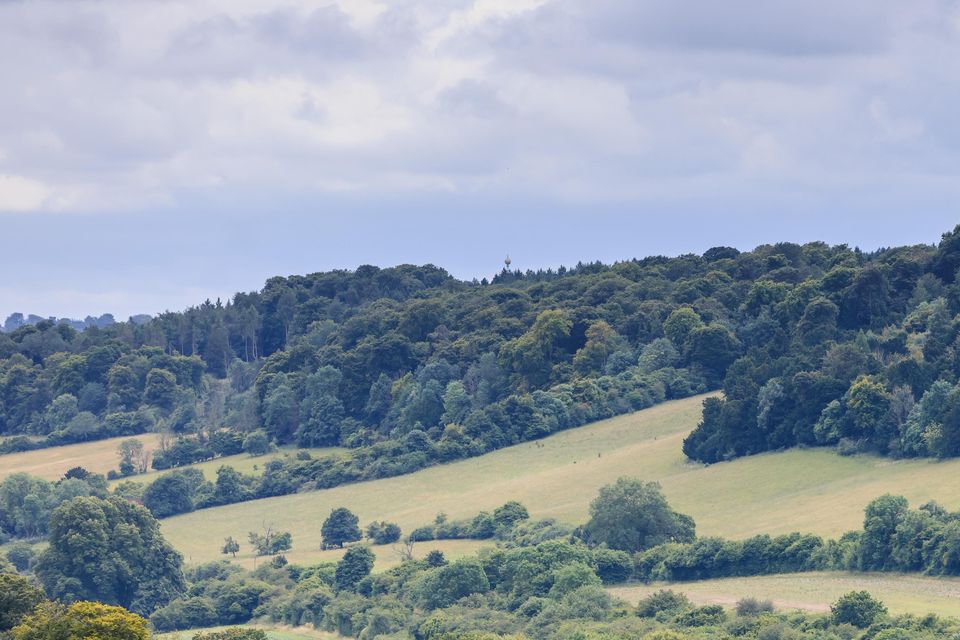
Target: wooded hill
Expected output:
[811,344]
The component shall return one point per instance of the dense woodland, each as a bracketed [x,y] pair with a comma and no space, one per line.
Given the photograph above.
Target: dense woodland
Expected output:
[810,344]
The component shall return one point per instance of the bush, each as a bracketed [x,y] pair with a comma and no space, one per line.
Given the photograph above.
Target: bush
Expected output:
[753,607]
[707,615]
[257,443]
[21,555]
[858,608]
[663,600]
[383,532]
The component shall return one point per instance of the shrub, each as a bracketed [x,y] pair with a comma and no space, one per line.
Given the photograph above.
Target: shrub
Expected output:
[858,608]
[663,600]
[753,607]
[707,615]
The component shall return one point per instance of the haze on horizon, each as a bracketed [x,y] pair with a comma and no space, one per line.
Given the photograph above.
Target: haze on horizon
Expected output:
[155,154]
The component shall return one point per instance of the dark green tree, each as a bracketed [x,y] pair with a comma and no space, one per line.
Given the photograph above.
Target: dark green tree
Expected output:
[631,515]
[858,608]
[355,565]
[18,598]
[340,527]
[112,551]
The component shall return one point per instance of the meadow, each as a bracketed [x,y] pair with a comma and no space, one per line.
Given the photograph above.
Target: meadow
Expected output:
[815,591]
[812,490]
[101,456]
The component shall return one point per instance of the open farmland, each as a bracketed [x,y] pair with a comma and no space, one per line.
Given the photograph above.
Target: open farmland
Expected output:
[811,490]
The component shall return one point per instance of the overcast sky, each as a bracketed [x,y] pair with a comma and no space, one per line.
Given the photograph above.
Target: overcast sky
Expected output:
[155,153]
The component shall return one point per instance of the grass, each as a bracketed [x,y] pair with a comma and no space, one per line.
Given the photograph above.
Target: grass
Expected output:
[51,463]
[101,456]
[273,632]
[816,591]
[242,462]
[811,490]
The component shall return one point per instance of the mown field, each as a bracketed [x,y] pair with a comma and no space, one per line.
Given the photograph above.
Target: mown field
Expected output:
[799,490]
[816,591]
[101,456]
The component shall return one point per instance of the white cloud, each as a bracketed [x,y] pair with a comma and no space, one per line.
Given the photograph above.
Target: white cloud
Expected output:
[18,193]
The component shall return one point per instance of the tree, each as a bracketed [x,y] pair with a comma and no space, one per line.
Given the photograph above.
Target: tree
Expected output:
[383,532]
[679,324]
[270,542]
[229,487]
[631,515]
[858,608]
[133,457]
[881,519]
[321,412]
[170,494]
[112,551]
[446,584]
[355,565]
[161,389]
[82,620]
[257,443]
[340,527]
[18,597]
[279,407]
[509,514]
[231,546]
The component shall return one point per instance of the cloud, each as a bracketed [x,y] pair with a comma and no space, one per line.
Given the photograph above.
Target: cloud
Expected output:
[21,194]
[131,105]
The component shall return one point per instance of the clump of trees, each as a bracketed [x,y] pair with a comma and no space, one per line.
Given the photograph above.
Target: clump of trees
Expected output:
[112,551]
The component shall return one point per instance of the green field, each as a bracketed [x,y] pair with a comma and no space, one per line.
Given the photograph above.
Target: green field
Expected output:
[799,490]
[816,591]
[101,456]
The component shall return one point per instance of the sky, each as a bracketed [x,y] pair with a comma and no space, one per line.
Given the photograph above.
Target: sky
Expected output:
[155,153]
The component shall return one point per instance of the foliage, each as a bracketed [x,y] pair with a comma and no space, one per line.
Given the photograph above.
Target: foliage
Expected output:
[631,515]
[18,598]
[355,565]
[82,620]
[340,527]
[112,551]
[858,608]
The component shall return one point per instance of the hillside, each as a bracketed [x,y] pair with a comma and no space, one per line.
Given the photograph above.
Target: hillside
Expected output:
[812,490]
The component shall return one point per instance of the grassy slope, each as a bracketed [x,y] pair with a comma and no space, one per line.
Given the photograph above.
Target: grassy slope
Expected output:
[101,456]
[815,591]
[806,490]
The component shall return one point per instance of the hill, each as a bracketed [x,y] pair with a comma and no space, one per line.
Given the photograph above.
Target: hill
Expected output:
[813,490]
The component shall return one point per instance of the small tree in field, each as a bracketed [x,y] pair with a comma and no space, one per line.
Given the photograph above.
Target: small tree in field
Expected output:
[230,546]
[340,527]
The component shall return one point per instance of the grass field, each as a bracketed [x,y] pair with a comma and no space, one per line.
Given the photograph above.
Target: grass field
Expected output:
[101,456]
[242,462]
[816,591]
[799,490]
[274,633]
